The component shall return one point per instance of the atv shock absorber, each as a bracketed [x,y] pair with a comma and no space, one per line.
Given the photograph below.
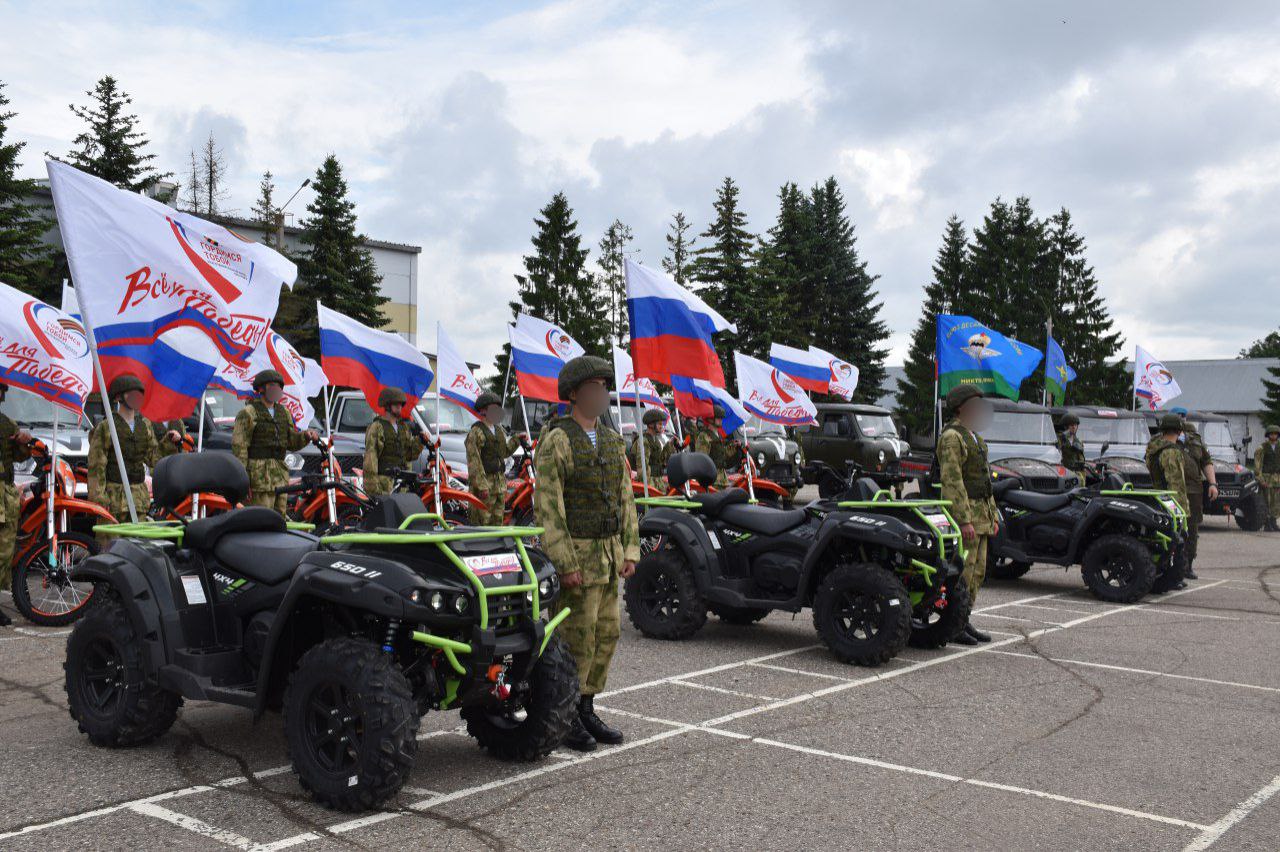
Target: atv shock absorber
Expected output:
[388,641]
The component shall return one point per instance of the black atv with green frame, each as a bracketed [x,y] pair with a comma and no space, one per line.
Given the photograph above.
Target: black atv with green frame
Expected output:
[877,572]
[353,636]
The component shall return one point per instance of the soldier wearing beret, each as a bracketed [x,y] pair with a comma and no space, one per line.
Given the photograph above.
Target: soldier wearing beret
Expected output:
[488,447]
[262,434]
[389,443]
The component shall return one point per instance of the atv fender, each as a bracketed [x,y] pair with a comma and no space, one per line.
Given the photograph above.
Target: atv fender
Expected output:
[1109,509]
[687,533]
[142,601]
[836,531]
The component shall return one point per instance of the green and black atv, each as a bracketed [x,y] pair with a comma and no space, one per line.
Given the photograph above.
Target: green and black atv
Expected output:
[353,636]
[877,572]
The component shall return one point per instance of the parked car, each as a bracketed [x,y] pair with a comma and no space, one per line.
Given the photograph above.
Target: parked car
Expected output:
[776,454]
[35,414]
[847,432]
[1122,432]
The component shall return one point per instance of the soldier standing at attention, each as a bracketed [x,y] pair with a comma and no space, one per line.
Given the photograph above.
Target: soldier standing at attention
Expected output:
[389,443]
[709,440]
[1070,445]
[656,449]
[1266,466]
[1199,465]
[15,446]
[1167,462]
[585,505]
[966,482]
[262,434]
[138,446]
[488,446]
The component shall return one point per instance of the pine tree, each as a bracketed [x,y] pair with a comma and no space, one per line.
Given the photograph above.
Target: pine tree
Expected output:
[193,191]
[213,169]
[722,268]
[334,266]
[843,306]
[942,295]
[679,249]
[784,279]
[111,146]
[613,283]
[25,260]
[1263,347]
[264,213]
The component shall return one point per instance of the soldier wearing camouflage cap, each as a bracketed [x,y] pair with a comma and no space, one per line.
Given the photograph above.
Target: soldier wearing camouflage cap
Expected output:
[584,503]
[15,446]
[1266,465]
[710,440]
[1070,445]
[488,447]
[138,446]
[657,448]
[263,433]
[389,443]
[966,482]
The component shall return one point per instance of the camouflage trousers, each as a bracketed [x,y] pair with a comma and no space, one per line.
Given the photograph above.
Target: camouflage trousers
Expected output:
[113,500]
[591,630]
[494,511]
[1195,515]
[1270,492]
[975,565]
[265,476]
[11,507]
[377,486]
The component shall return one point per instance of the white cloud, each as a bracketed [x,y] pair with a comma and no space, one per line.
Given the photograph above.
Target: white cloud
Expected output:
[890,180]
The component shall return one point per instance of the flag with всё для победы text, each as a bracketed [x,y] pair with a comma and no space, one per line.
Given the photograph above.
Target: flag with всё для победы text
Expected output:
[631,389]
[357,356]
[1152,381]
[771,394]
[169,295]
[671,328]
[303,377]
[43,350]
[971,353]
[538,351]
[453,377]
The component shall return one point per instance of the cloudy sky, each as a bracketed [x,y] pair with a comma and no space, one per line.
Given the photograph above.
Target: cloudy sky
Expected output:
[1156,123]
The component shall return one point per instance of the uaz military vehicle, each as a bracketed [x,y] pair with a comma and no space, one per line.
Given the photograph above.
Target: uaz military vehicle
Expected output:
[877,572]
[860,434]
[776,455]
[353,636]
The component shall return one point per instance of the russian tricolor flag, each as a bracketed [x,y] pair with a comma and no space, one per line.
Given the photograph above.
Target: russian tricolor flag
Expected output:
[357,356]
[671,328]
[632,389]
[538,351]
[695,398]
[804,367]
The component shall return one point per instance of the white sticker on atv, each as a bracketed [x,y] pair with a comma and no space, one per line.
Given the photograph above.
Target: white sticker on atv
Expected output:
[715,542]
[893,601]
[493,563]
[193,589]
[940,521]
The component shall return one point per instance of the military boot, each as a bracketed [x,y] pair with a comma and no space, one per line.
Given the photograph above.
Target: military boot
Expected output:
[4,619]
[579,738]
[594,724]
[1271,525]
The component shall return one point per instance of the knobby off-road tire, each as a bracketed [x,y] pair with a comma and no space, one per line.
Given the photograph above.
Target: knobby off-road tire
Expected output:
[1118,568]
[932,627]
[547,713]
[662,597]
[1004,568]
[350,724]
[109,694]
[862,614]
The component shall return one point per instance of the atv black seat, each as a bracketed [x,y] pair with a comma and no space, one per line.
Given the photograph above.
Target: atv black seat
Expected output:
[267,557]
[178,476]
[1037,502]
[1113,482]
[863,488]
[203,534]
[715,502]
[762,519]
[391,511]
[691,467]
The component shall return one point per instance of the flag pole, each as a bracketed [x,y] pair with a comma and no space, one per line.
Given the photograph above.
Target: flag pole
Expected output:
[644,464]
[1044,391]
[533,472]
[331,499]
[106,399]
[439,444]
[53,486]
[195,498]
[506,380]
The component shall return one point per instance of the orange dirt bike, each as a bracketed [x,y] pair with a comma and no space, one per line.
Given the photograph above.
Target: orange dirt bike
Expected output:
[455,500]
[43,590]
[518,506]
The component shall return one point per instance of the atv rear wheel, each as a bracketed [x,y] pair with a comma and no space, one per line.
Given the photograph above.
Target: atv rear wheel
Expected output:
[738,615]
[108,691]
[1175,569]
[350,724]
[1004,568]
[1250,513]
[539,727]
[933,626]
[662,597]
[1118,568]
[862,613]
[45,594]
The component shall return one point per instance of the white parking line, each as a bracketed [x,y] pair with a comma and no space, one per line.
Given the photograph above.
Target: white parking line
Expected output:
[1138,671]
[724,667]
[1027,620]
[1058,609]
[1213,833]
[800,672]
[724,691]
[193,825]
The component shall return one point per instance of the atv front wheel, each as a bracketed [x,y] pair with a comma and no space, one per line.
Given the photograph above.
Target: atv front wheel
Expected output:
[45,594]
[539,727]
[1004,568]
[1118,568]
[933,626]
[862,614]
[350,724]
[108,692]
[741,616]
[662,597]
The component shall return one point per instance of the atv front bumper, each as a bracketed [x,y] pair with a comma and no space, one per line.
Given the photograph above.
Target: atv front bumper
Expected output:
[487,645]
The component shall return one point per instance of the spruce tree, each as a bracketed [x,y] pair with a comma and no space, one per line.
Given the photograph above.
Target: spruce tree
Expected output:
[192,191]
[613,283]
[942,295]
[213,170]
[722,270]
[785,279]
[334,266]
[679,249]
[25,260]
[264,213]
[844,306]
[111,145]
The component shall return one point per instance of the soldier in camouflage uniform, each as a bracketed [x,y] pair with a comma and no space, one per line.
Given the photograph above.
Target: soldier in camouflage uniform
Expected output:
[657,449]
[1197,464]
[1168,461]
[488,446]
[262,434]
[389,443]
[585,505]
[1071,447]
[138,445]
[1266,466]
[168,444]
[15,446]
[708,439]
[966,482]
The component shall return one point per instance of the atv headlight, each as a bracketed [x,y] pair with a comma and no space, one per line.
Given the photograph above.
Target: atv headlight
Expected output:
[293,461]
[437,601]
[460,604]
[544,588]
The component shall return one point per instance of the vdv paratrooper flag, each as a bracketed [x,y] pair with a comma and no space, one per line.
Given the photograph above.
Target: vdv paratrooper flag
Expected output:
[43,350]
[169,295]
[1057,373]
[969,352]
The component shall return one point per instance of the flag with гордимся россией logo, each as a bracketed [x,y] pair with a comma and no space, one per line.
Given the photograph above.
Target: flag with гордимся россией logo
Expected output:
[969,352]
